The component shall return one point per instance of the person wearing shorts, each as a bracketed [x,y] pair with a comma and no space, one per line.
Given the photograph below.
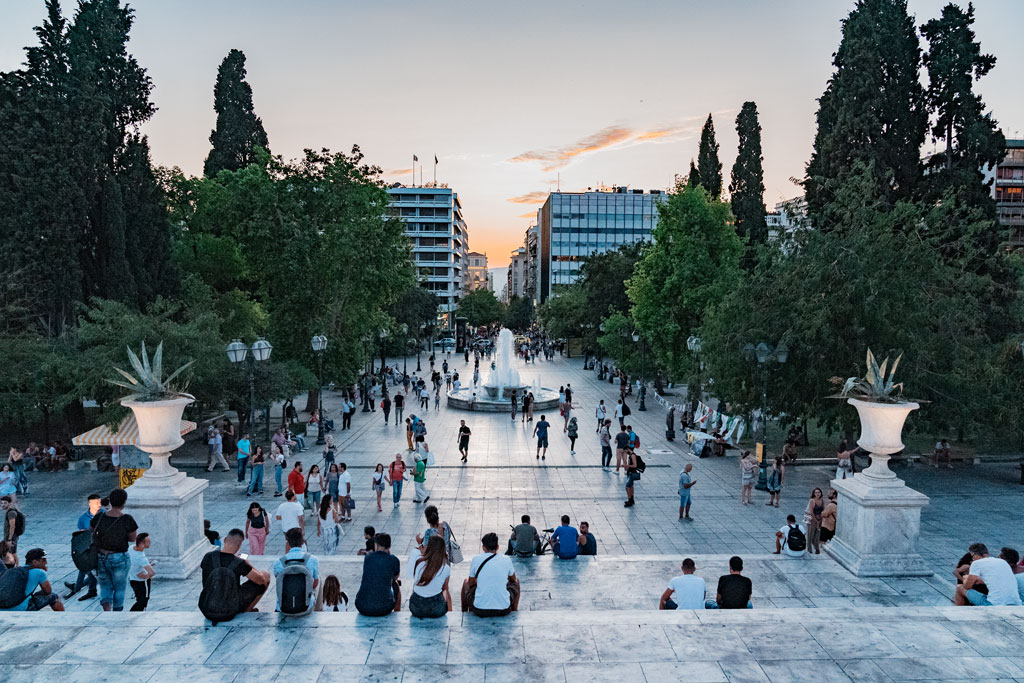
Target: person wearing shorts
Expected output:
[686,482]
[540,430]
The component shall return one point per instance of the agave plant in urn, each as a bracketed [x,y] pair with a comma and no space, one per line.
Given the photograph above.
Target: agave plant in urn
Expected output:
[157,406]
[882,410]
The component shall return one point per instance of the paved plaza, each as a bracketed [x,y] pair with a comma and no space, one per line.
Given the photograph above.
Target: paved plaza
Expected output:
[592,619]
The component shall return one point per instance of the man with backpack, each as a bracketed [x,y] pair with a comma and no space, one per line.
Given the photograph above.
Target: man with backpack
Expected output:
[27,589]
[634,467]
[791,540]
[14,524]
[224,594]
[297,574]
[81,541]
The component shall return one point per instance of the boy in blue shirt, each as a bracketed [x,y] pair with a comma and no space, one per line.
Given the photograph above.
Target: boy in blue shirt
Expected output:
[565,540]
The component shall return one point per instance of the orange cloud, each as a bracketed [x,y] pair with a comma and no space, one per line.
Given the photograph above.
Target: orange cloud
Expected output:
[530,198]
[399,171]
[559,157]
[531,214]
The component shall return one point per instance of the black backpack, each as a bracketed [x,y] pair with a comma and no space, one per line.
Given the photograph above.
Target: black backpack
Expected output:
[626,412]
[13,583]
[220,597]
[19,522]
[83,552]
[796,540]
[641,466]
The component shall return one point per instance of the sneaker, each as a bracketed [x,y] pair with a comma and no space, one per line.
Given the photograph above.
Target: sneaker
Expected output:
[88,596]
[277,494]
[426,499]
[396,506]
[572,452]
[416,501]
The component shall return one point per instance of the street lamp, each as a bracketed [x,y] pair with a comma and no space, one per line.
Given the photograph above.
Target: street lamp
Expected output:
[405,347]
[239,352]
[419,344]
[643,373]
[319,344]
[366,375]
[383,335]
[762,353]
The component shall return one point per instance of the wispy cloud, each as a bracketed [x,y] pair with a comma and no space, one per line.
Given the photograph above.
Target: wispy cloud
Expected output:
[613,136]
[537,197]
[399,171]
[530,214]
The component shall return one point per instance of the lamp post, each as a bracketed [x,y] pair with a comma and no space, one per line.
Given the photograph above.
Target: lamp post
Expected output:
[762,353]
[693,343]
[600,365]
[366,375]
[319,344]
[405,347]
[419,345]
[238,352]
[643,373]
[383,336]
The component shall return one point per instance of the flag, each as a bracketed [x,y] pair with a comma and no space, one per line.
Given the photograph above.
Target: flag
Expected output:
[415,158]
[435,159]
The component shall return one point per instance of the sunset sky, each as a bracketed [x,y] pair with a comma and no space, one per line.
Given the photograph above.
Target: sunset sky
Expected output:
[510,96]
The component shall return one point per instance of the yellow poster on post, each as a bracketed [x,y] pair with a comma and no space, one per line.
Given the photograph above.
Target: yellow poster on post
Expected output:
[760,452]
[126,476]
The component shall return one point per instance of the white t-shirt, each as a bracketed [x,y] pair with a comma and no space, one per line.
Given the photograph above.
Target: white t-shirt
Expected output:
[998,576]
[139,561]
[688,591]
[785,541]
[289,514]
[491,592]
[436,584]
[344,483]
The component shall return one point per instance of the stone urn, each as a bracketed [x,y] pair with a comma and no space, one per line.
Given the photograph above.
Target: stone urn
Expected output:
[165,502]
[881,433]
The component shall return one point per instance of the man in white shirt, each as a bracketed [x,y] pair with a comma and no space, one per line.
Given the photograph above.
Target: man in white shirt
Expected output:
[344,491]
[289,513]
[600,413]
[492,589]
[686,591]
[618,414]
[994,573]
[791,540]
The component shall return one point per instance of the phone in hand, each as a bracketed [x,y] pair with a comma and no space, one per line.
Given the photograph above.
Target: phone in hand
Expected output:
[244,556]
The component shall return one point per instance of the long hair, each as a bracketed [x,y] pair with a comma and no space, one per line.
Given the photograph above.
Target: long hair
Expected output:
[433,519]
[435,556]
[332,591]
[325,506]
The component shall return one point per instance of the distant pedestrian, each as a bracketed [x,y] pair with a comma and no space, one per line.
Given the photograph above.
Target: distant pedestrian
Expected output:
[244,452]
[380,479]
[606,444]
[141,572]
[424,399]
[437,399]
[420,480]
[257,526]
[515,404]
[256,472]
[748,472]
[330,451]
[813,514]
[619,415]
[828,516]
[277,457]
[315,486]
[464,434]
[686,482]
[601,412]
[632,476]
[327,526]
[396,474]
[408,432]
[540,430]
[774,482]
[345,491]
[529,407]
[573,432]
[333,483]
[399,403]
[385,407]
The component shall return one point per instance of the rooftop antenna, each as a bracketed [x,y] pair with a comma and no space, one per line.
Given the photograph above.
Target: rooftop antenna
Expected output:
[559,181]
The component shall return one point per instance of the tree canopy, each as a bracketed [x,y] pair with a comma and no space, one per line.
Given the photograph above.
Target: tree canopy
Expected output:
[239,131]
[480,307]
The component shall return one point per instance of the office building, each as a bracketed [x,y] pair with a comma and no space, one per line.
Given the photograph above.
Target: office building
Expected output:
[476,271]
[515,279]
[532,268]
[574,225]
[440,243]
[1008,191]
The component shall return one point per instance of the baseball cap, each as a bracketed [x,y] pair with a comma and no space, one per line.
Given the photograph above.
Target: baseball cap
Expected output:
[35,554]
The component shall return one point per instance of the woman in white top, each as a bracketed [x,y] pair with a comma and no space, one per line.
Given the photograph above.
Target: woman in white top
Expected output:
[430,596]
[314,486]
[328,528]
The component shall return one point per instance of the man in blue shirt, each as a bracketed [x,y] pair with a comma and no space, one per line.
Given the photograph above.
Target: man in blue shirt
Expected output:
[565,540]
[294,551]
[540,430]
[35,564]
[85,578]
[244,448]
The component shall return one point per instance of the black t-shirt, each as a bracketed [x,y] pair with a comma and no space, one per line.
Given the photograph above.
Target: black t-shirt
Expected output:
[464,433]
[735,591]
[399,400]
[622,440]
[380,569]
[568,395]
[370,546]
[112,532]
[257,521]
[590,547]
[208,564]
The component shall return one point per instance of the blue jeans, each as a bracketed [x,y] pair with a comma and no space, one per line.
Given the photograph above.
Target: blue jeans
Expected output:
[242,462]
[85,579]
[396,490]
[112,573]
[300,441]
[20,480]
[277,476]
[256,480]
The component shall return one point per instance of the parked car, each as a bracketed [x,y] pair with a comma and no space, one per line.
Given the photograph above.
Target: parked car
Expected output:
[446,343]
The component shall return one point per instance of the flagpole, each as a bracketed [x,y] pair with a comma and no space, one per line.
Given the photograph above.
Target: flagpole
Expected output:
[435,170]
[414,170]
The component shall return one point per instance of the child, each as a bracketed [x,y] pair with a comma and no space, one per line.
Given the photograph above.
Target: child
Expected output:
[368,534]
[141,572]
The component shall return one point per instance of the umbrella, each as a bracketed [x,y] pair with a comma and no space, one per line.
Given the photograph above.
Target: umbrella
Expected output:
[127,434]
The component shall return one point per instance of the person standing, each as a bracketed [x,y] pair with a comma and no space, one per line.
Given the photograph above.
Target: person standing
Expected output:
[256,471]
[420,480]
[601,412]
[813,513]
[437,398]
[328,529]
[277,457]
[620,417]
[345,491]
[315,486]
[514,403]
[424,398]
[379,479]
[621,446]
[632,476]
[828,517]
[330,450]
[333,482]
[385,407]
[230,440]
[573,433]
[396,474]
[606,444]
[774,483]
[464,434]
[85,577]
[297,482]
[748,472]
[526,405]
[408,433]
[347,407]
[244,448]
[400,402]
[257,526]
[114,532]
[686,482]
[141,572]
[540,430]
[8,480]
[529,407]
[16,459]
[14,524]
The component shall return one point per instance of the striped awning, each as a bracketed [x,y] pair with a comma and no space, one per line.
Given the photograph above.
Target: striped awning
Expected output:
[126,435]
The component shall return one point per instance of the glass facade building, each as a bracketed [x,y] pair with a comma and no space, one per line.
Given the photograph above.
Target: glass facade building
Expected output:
[575,225]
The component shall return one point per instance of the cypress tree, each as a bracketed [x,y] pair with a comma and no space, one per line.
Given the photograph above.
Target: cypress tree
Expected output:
[239,131]
[747,187]
[693,177]
[872,110]
[972,138]
[709,168]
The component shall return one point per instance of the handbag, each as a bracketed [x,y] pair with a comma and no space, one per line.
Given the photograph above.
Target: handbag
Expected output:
[351,504]
[430,459]
[454,549]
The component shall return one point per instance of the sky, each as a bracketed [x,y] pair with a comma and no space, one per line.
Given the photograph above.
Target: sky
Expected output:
[515,99]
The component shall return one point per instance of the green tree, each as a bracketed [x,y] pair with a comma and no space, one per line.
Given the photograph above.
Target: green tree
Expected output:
[603,279]
[692,264]
[566,314]
[617,341]
[239,131]
[746,191]
[481,307]
[972,137]
[416,308]
[709,168]
[519,314]
[872,114]
[693,176]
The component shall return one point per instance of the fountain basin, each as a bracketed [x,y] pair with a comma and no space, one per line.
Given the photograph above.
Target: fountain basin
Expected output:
[479,399]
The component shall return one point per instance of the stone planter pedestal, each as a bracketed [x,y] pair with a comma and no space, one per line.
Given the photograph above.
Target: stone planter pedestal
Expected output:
[879,516]
[165,502]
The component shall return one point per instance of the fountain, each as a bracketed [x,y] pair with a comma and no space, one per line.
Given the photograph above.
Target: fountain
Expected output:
[502,386]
